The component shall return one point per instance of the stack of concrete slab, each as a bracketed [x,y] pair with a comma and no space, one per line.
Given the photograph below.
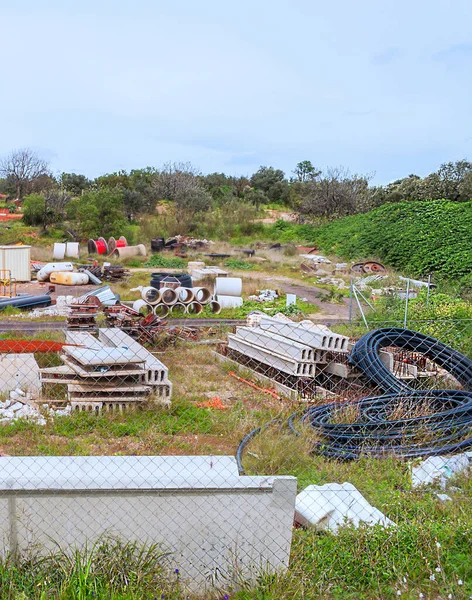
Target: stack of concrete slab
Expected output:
[297,349]
[101,374]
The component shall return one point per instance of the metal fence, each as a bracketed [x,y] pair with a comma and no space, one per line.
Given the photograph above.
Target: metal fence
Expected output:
[231,446]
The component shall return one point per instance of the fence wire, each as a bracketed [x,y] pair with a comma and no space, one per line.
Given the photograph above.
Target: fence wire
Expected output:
[244,453]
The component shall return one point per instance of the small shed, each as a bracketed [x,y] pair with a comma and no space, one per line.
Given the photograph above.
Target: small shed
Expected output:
[16,259]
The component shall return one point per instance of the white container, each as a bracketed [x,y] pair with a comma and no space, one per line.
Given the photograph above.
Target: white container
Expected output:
[290,300]
[151,295]
[186,295]
[169,296]
[68,278]
[59,251]
[17,260]
[228,286]
[45,272]
[229,301]
[202,295]
[72,249]
[141,306]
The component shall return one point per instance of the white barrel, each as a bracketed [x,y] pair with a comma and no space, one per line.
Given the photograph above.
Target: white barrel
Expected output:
[59,251]
[229,301]
[178,308]
[185,294]
[194,308]
[202,295]
[160,310]
[228,286]
[72,249]
[68,278]
[215,307]
[141,306]
[169,296]
[151,295]
[45,272]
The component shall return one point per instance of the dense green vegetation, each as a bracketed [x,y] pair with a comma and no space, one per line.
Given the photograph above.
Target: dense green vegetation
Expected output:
[417,237]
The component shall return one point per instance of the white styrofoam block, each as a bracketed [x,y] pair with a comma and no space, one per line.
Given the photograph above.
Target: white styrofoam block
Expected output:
[332,505]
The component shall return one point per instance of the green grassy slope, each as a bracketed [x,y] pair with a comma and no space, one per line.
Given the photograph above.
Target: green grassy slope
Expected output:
[416,237]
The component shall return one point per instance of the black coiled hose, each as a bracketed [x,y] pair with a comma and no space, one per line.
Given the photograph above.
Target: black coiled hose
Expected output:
[372,426]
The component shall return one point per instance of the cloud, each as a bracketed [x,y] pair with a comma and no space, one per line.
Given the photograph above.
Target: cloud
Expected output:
[454,52]
[386,56]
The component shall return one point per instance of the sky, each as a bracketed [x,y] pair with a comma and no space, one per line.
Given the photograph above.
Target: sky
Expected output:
[381,87]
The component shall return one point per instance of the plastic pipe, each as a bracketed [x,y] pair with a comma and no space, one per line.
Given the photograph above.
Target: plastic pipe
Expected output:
[59,251]
[45,272]
[72,249]
[228,286]
[160,310]
[202,295]
[185,295]
[229,301]
[141,306]
[194,308]
[169,296]
[151,295]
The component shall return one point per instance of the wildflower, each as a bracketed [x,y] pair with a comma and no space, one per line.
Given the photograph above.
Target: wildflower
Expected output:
[399,593]
[404,580]
[438,545]
[226,597]
[432,577]
[176,571]
[438,569]
[421,595]
[450,596]
[460,582]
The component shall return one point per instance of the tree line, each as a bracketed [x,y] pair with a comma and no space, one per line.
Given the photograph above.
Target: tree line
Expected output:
[113,200]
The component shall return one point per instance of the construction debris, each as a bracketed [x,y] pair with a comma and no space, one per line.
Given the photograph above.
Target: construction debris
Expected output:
[82,316]
[369,266]
[115,273]
[264,296]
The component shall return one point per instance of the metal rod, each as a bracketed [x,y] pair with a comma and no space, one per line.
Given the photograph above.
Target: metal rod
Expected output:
[350,301]
[427,293]
[406,303]
[360,308]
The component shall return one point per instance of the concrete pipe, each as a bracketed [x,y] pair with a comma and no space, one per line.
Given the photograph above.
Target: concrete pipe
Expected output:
[202,295]
[215,307]
[141,306]
[68,278]
[130,251]
[151,295]
[186,295]
[160,310]
[59,251]
[178,308]
[169,296]
[45,272]
[72,249]
[229,301]
[228,286]
[194,308]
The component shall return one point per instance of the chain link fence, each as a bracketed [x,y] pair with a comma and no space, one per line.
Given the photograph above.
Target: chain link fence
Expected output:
[273,457]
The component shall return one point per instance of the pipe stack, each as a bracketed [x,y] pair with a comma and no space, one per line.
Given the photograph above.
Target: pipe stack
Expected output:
[178,301]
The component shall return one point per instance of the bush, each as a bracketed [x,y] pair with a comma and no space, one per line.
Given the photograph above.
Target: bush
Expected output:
[171,262]
[33,209]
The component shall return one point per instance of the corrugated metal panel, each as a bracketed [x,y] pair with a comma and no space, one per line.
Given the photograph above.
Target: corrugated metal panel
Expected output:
[17,260]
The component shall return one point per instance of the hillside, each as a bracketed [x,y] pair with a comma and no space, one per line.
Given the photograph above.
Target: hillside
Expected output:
[416,237]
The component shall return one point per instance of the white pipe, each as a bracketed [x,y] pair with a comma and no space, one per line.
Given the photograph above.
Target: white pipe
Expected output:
[169,296]
[59,251]
[228,286]
[194,308]
[202,295]
[141,306]
[72,249]
[68,278]
[186,295]
[160,310]
[178,307]
[215,307]
[151,295]
[229,301]
[43,274]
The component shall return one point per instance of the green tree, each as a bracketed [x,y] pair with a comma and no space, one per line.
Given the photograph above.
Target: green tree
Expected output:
[33,209]
[100,213]
[75,184]
[273,183]
[305,171]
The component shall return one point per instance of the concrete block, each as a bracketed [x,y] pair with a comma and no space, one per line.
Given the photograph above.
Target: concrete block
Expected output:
[19,371]
[307,333]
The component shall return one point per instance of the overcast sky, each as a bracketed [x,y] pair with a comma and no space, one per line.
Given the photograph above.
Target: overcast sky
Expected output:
[382,87]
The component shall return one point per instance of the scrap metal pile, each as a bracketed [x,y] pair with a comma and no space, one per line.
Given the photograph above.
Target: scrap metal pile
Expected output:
[395,418]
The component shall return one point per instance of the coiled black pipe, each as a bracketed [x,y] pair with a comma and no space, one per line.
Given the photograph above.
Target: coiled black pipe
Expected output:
[365,356]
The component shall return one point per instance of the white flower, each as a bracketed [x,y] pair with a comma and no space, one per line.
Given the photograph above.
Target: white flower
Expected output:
[450,596]
[404,580]
[460,582]
[421,595]
[432,577]
[438,569]
[438,545]
[399,593]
